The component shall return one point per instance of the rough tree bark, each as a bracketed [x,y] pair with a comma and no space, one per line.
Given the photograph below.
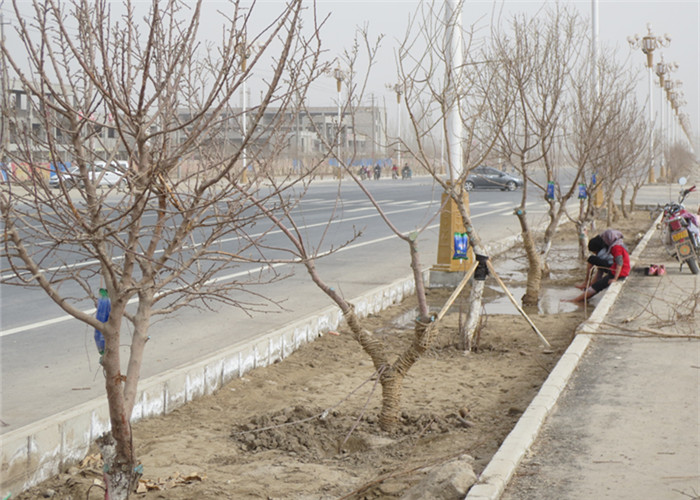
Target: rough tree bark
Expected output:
[534,275]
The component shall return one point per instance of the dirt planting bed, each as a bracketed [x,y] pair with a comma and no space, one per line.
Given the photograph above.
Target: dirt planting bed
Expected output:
[306,428]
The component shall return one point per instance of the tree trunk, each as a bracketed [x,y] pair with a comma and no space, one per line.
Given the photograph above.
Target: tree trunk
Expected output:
[623,195]
[475,297]
[120,476]
[550,231]
[534,272]
[426,331]
[392,385]
[582,240]
[477,288]
[117,446]
[633,198]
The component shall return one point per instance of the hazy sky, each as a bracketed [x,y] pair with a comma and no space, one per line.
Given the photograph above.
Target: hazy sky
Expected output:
[617,20]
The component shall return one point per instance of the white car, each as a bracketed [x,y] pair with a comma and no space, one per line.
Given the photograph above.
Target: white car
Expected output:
[99,173]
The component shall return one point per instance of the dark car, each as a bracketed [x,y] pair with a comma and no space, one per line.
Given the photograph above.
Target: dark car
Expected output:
[492,178]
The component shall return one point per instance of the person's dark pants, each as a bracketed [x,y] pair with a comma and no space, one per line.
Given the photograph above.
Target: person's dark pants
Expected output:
[594,260]
[604,282]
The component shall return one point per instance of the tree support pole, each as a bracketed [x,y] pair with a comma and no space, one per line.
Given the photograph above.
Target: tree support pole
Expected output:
[515,303]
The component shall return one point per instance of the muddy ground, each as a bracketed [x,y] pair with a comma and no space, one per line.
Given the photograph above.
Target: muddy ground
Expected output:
[306,428]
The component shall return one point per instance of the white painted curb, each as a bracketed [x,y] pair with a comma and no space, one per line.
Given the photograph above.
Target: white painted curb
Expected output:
[42,449]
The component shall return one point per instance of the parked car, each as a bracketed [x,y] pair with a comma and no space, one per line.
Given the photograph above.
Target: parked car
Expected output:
[100,173]
[489,177]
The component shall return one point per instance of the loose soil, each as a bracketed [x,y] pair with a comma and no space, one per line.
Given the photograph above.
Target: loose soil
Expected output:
[306,428]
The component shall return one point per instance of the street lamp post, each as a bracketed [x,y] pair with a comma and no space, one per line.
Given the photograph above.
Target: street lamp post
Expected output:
[680,127]
[673,99]
[398,88]
[668,87]
[339,77]
[663,69]
[451,221]
[676,99]
[244,52]
[676,104]
[648,44]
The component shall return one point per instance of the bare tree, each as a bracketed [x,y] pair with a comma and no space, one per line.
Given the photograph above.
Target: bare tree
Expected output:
[538,55]
[424,83]
[628,152]
[391,370]
[681,162]
[433,86]
[105,87]
[601,133]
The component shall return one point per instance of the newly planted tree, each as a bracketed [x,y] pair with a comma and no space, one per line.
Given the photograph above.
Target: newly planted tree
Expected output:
[419,84]
[449,83]
[538,55]
[594,133]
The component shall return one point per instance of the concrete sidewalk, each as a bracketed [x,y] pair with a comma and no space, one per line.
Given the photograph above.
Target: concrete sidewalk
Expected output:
[626,422]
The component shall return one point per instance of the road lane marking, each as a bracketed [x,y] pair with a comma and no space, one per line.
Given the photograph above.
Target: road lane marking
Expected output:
[363,209]
[66,317]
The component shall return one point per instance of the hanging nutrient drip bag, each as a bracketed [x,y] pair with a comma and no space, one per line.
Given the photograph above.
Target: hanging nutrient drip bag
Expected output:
[461,246]
[582,194]
[550,190]
[104,306]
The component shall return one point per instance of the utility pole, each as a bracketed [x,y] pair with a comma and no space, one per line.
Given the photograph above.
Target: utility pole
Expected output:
[398,88]
[447,269]
[339,76]
[374,135]
[244,67]
[5,141]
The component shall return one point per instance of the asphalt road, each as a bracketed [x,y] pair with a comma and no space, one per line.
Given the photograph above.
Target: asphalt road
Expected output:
[49,362]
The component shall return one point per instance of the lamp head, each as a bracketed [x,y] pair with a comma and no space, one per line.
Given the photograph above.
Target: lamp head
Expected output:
[661,70]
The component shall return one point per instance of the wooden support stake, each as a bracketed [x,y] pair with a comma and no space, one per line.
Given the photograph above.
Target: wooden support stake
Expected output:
[457,291]
[515,303]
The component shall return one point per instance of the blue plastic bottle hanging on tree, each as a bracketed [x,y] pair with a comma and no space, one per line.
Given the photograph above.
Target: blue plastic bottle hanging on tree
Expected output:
[461,246]
[104,307]
[582,194]
[550,190]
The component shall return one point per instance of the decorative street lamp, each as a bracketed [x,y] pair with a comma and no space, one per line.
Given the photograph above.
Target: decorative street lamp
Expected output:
[648,44]
[668,87]
[398,88]
[676,99]
[662,69]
